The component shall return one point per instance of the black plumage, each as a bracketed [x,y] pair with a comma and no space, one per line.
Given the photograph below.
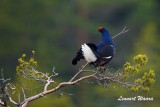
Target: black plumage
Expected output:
[99,54]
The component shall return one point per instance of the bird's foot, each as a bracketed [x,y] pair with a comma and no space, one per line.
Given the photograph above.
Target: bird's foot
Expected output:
[102,68]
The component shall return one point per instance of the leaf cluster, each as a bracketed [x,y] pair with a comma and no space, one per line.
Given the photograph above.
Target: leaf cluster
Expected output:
[28,68]
[148,78]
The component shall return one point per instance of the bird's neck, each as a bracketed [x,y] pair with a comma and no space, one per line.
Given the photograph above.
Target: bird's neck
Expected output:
[106,38]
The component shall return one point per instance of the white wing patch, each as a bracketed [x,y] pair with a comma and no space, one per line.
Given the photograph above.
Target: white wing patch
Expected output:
[88,54]
[108,57]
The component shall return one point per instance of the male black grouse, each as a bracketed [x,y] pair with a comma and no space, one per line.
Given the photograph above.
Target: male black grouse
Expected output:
[99,54]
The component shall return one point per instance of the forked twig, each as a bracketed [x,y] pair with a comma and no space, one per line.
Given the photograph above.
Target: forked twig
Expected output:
[123,31]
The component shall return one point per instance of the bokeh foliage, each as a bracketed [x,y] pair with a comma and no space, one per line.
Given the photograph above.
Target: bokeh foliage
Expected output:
[55,29]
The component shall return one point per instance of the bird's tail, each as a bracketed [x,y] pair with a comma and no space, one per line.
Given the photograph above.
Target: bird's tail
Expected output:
[78,57]
[88,52]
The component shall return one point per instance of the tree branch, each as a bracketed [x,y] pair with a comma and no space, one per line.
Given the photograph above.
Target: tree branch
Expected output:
[63,84]
[80,71]
[101,74]
[3,89]
[49,81]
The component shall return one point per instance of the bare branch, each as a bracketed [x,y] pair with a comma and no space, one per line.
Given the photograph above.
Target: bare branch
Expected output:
[49,81]
[53,71]
[114,79]
[63,84]
[81,70]
[3,89]
[101,74]
[24,95]
[12,101]
[123,31]
[19,99]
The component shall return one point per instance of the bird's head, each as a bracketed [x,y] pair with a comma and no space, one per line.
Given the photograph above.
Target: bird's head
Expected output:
[101,29]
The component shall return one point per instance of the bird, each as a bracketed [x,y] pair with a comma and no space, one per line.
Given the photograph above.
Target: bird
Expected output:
[97,54]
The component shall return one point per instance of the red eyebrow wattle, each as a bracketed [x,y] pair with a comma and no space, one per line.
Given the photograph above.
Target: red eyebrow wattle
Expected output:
[100,28]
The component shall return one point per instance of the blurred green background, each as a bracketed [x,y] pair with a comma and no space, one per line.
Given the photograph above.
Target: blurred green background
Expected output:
[55,29]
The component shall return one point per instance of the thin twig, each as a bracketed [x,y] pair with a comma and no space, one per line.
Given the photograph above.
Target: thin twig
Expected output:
[53,71]
[12,101]
[113,79]
[19,99]
[3,88]
[81,70]
[123,31]
[24,95]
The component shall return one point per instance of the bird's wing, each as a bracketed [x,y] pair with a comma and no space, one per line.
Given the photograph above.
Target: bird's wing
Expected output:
[106,51]
[92,46]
